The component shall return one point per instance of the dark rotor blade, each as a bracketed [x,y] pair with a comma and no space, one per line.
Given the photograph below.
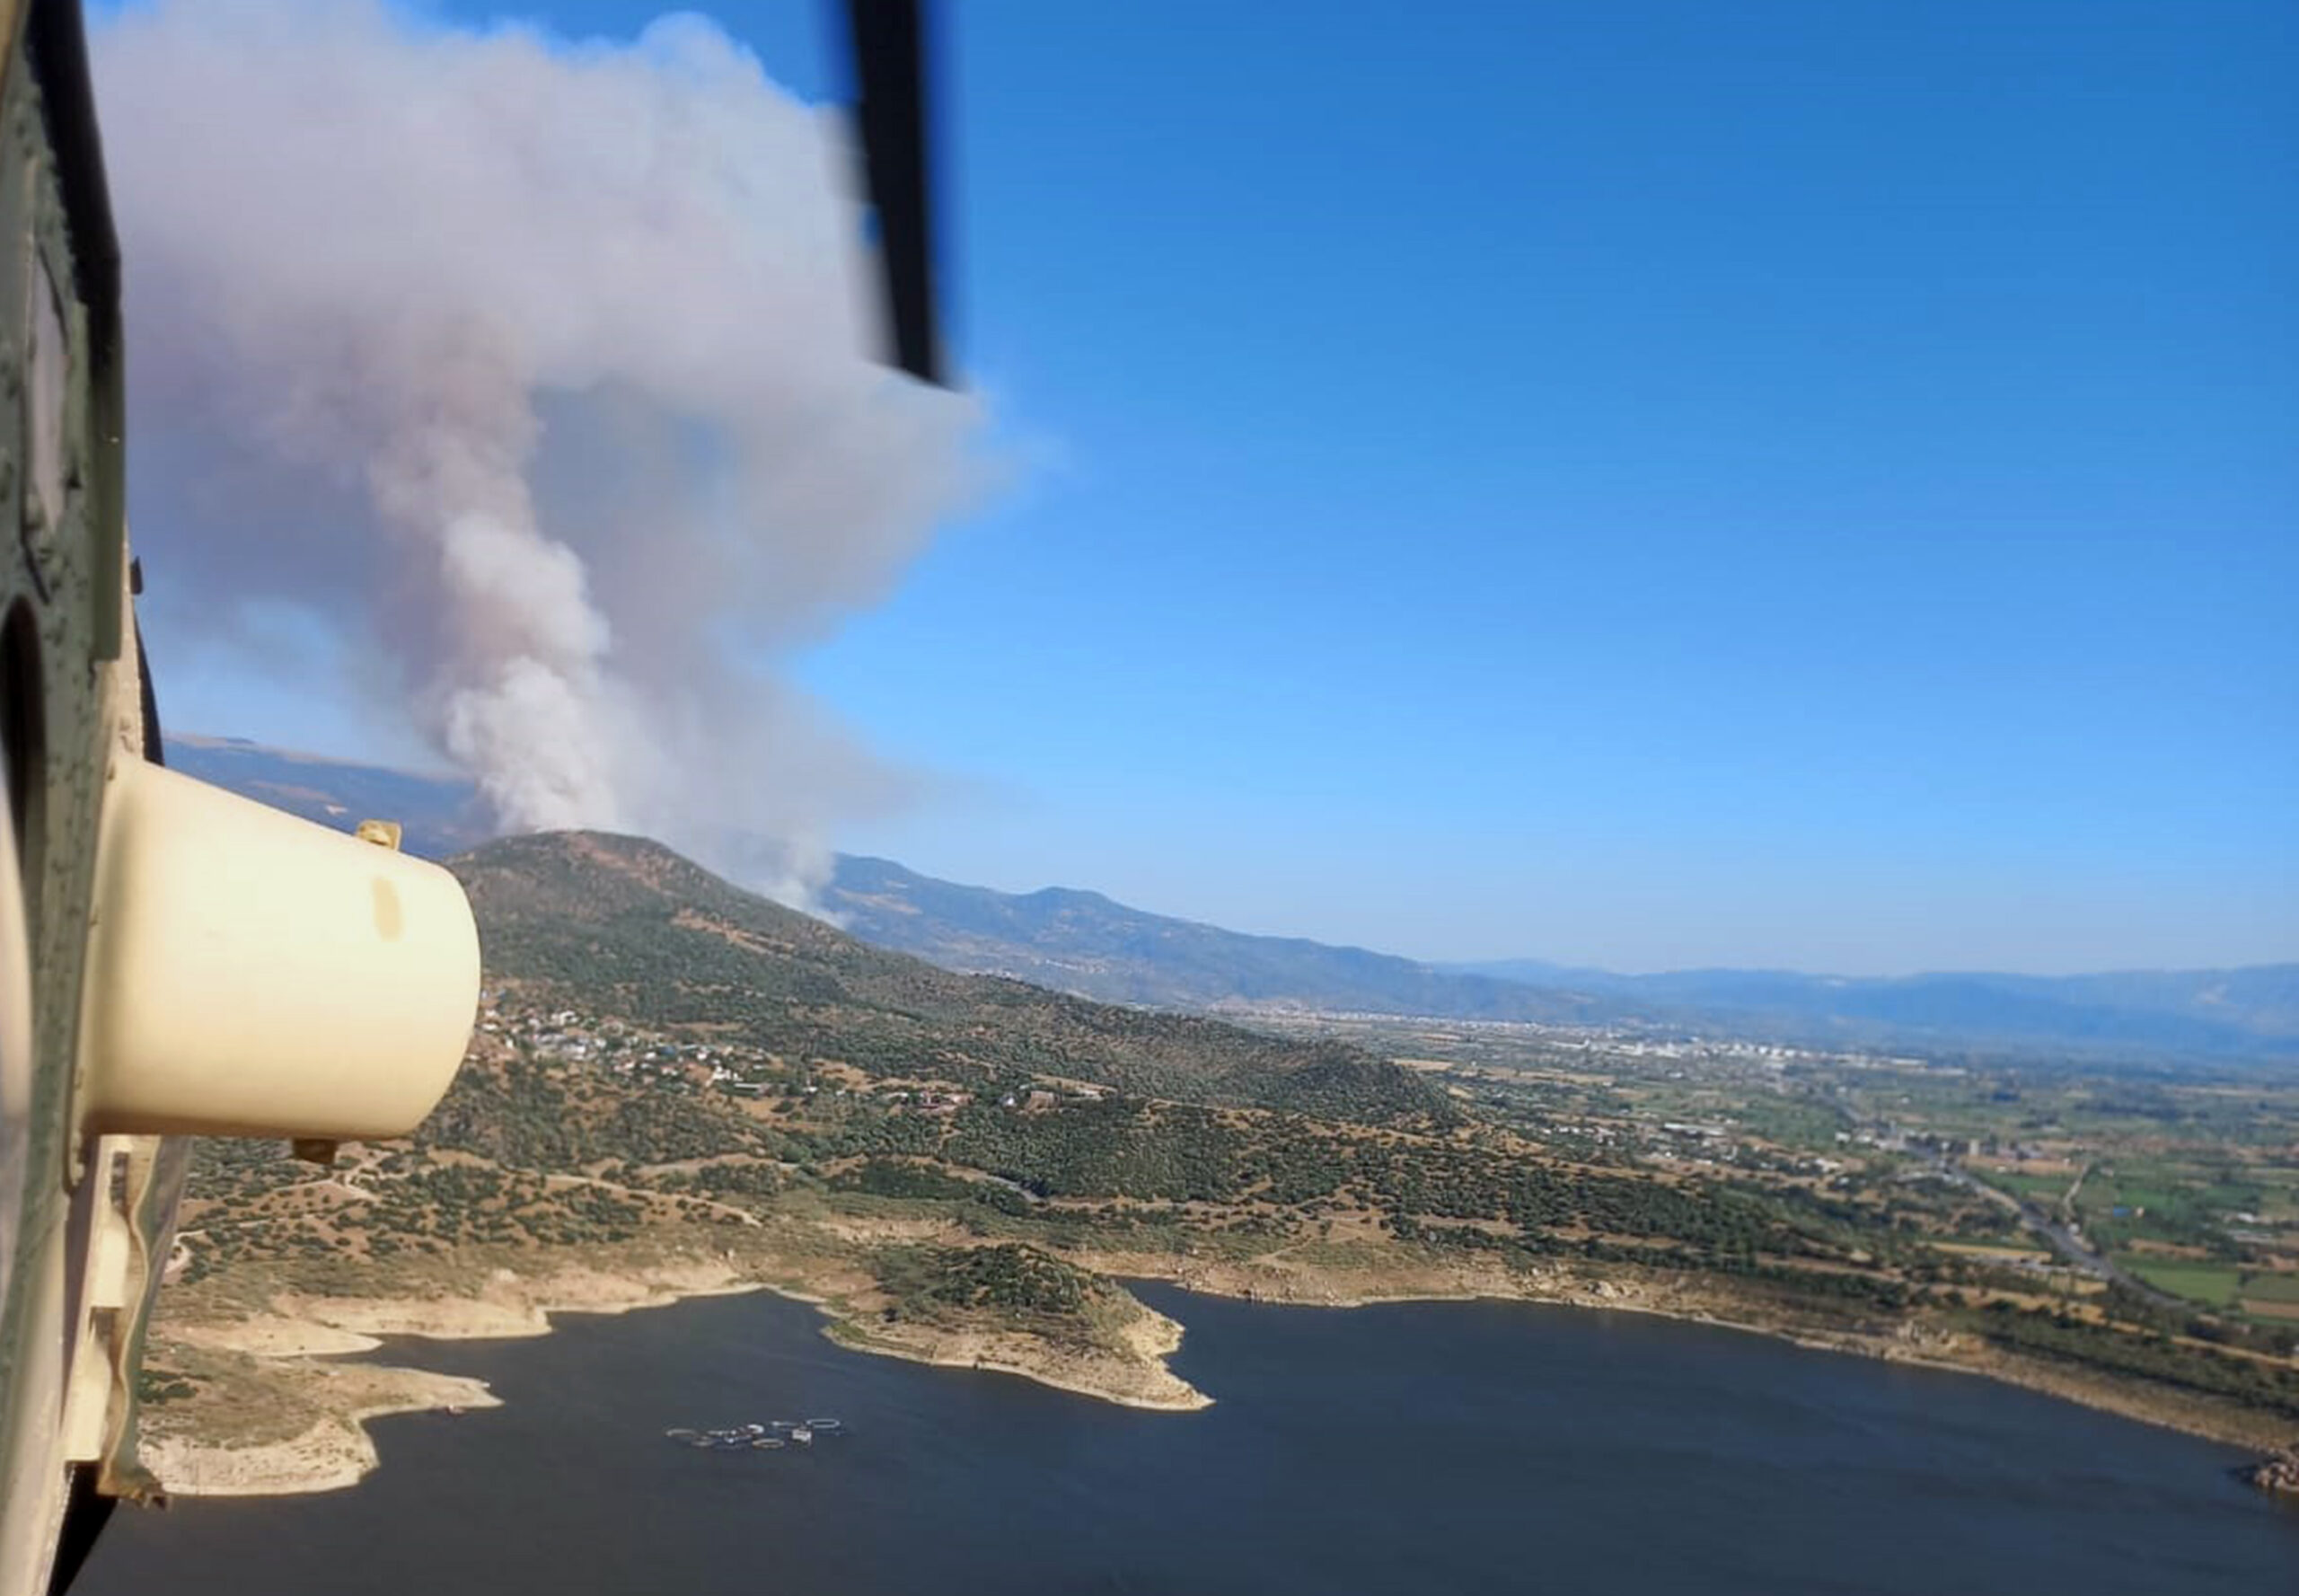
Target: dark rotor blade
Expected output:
[890,79]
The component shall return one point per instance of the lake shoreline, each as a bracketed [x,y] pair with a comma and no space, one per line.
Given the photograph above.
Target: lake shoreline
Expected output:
[303,1339]
[1420,1448]
[2203,1417]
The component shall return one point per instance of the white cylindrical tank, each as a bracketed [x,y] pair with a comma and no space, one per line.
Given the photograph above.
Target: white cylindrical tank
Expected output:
[250,973]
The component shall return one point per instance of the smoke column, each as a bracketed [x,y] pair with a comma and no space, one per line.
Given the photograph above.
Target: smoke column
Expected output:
[533,367]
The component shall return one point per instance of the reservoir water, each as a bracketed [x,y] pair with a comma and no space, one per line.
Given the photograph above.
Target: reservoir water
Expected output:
[1471,1447]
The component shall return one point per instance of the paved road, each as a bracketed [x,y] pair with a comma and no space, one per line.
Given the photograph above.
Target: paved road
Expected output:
[2064,1241]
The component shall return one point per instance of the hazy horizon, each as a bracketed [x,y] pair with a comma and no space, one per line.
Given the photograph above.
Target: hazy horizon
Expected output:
[1024,886]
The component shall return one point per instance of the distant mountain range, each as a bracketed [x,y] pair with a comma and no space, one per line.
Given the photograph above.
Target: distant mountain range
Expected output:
[2249,1010]
[1085,943]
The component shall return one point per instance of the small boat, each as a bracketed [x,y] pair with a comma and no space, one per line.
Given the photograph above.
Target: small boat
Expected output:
[767,1443]
[822,1426]
[802,1435]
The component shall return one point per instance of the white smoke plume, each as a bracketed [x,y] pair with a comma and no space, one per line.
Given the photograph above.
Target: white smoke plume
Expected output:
[536,366]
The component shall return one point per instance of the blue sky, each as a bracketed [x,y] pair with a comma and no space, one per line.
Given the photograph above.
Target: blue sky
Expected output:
[1646,485]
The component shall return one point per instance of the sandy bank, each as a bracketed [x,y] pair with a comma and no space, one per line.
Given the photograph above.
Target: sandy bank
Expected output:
[293,1351]
[296,1345]
[1133,1376]
[290,1354]
[511,1304]
[334,1452]
[1292,1284]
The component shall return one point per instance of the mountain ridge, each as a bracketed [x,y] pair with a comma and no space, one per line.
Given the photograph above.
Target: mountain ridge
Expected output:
[1084,942]
[1087,942]
[2241,1010]
[627,920]
[1130,954]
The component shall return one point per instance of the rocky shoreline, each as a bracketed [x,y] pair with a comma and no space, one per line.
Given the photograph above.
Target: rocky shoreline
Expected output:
[296,1348]
[2278,1472]
[1294,1284]
[1135,1377]
[298,1341]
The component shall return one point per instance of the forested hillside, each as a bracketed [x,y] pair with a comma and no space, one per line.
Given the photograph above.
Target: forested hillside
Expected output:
[627,926]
